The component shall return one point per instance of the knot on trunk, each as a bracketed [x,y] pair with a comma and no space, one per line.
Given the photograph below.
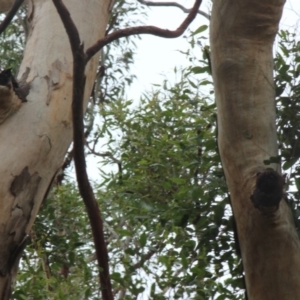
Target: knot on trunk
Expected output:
[269,190]
[11,95]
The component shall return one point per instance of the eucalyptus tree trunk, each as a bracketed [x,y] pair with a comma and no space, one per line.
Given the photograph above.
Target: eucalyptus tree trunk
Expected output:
[242,36]
[36,138]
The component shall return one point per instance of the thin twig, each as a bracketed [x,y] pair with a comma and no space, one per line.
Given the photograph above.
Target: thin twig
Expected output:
[90,52]
[143,259]
[175,4]
[12,12]
[108,154]
[104,154]
[136,266]
[84,186]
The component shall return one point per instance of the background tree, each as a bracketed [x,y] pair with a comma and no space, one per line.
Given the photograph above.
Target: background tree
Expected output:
[242,67]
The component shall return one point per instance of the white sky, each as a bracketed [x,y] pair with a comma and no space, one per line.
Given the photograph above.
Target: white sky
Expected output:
[155,56]
[158,56]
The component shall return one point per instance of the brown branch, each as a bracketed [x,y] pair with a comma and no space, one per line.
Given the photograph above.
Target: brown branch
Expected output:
[103,154]
[136,266]
[107,154]
[80,60]
[12,12]
[84,186]
[90,52]
[144,258]
[174,4]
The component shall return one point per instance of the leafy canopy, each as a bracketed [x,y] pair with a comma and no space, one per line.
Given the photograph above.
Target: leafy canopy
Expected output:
[162,190]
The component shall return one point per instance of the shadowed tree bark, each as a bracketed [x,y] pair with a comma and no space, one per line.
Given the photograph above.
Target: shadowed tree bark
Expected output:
[242,36]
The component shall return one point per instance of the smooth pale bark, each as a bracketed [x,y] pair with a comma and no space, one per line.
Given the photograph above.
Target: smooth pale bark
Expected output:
[36,138]
[242,35]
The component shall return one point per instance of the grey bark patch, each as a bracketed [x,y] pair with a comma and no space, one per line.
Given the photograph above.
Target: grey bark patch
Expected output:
[24,87]
[11,95]
[53,79]
[20,182]
[25,75]
[22,91]
[13,238]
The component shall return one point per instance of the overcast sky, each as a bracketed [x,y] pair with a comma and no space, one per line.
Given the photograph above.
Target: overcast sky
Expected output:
[156,57]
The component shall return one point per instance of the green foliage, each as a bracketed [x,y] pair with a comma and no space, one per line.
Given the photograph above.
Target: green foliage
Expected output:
[12,44]
[56,263]
[117,57]
[287,80]
[287,68]
[162,193]
[166,209]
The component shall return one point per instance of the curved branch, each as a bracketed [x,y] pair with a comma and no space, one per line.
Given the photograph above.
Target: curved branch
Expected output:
[90,52]
[12,12]
[175,4]
[80,60]
[84,186]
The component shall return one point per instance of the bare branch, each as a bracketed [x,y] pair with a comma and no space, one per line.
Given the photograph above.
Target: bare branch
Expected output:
[175,4]
[104,154]
[10,15]
[90,52]
[84,186]
[144,258]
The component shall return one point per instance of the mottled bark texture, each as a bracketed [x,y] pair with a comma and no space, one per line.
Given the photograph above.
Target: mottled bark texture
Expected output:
[35,139]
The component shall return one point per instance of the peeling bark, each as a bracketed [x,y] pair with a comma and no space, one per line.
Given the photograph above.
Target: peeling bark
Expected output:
[242,35]
[36,138]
